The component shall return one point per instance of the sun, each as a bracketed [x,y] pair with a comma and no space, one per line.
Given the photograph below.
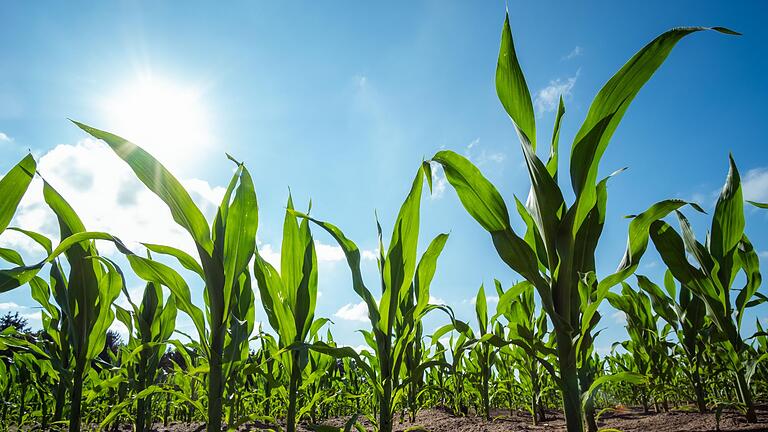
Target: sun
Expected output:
[167,119]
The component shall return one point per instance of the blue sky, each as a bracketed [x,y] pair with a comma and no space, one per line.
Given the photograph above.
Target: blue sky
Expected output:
[340,102]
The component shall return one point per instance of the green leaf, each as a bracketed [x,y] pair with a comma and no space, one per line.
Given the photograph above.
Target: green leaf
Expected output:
[13,186]
[630,377]
[728,218]
[239,235]
[186,260]
[608,109]
[513,90]
[352,253]
[160,181]
[481,310]
[637,240]
[554,151]
[425,271]
[479,197]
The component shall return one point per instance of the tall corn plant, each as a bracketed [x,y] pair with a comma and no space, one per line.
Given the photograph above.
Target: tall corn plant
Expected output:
[224,250]
[85,296]
[399,268]
[716,263]
[559,245]
[289,298]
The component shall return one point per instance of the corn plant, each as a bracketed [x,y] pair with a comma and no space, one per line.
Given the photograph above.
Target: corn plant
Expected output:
[85,296]
[687,316]
[648,344]
[559,245]
[224,249]
[289,298]
[56,328]
[726,253]
[399,270]
[150,325]
[527,331]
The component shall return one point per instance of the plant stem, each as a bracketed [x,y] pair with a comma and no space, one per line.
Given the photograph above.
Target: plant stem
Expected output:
[569,382]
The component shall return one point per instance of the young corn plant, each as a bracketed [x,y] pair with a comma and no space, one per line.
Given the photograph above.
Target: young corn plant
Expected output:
[726,253]
[648,344]
[56,328]
[399,269]
[224,250]
[150,325]
[289,298]
[559,246]
[528,331]
[85,296]
[686,313]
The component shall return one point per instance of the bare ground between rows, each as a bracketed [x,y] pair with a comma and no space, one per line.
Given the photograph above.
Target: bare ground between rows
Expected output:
[627,420]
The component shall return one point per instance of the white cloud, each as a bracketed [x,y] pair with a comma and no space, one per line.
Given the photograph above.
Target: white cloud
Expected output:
[107,196]
[755,185]
[5,138]
[370,254]
[353,312]
[619,317]
[328,253]
[23,311]
[482,156]
[270,255]
[33,316]
[436,300]
[575,52]
[763,254]
[9,306]
[546,99]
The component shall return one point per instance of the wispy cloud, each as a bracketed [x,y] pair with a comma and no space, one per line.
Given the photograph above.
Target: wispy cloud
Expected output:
[546,99]
[436,300]
[575,52]
[5,138]
[481,156]
[353,312]
[6,306]
[619,317]
[370,254]
[755,184]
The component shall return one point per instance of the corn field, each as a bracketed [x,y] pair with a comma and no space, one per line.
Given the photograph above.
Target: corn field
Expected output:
[534,353]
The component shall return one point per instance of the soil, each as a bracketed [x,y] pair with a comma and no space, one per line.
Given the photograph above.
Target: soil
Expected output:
[621,419]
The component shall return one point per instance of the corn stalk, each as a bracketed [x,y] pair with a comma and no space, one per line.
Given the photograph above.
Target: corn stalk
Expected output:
[289,298]
[558,249]
[726,253]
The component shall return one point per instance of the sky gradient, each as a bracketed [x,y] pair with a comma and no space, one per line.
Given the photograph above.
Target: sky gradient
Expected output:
[340,102]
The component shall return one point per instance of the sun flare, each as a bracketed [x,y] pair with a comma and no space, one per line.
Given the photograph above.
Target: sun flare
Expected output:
[167,119]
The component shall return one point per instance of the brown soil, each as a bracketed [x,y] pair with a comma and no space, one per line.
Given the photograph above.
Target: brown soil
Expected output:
[626,420]
[435,420]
